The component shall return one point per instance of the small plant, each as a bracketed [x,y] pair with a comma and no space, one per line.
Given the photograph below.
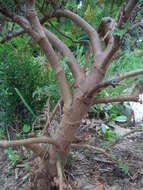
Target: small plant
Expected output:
[123,167]
[108,134]
[12,156]
[71,157]
[26,128]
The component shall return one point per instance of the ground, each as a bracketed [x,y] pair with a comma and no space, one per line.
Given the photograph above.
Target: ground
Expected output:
[8,177]
[88,169]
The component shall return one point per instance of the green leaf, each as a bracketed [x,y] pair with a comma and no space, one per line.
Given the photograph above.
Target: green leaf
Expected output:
[26,128]
[104,128]
[123,166]
[121,119]
[24,102]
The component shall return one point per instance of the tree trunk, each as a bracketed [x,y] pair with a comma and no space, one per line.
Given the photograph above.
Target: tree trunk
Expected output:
[65,134]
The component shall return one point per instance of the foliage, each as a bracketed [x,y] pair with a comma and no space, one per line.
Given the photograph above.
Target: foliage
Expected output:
[1,134]
[26,128]
[24,102]
[22,71]
[123,167]
[71,157]
[13,157]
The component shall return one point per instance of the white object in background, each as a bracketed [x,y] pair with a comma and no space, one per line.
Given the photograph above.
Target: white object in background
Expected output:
[138,109]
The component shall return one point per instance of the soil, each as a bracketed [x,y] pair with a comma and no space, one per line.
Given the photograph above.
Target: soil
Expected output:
[89,169]
[8,177]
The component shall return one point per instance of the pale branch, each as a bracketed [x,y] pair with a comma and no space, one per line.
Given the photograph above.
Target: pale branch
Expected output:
[128,75]
[120,98]
[66,52]
[25,142]
[114,81]
[93,35]
[37,32]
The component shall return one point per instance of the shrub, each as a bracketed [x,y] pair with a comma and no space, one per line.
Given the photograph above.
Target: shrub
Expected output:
[24,72]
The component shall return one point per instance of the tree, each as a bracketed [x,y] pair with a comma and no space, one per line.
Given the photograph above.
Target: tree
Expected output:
[29,17]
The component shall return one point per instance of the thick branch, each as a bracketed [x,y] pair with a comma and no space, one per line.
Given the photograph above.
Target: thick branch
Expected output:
[93,35]
[39,36]
[120,98]
[114,81]
[66,52]
[24,142]
[128,75]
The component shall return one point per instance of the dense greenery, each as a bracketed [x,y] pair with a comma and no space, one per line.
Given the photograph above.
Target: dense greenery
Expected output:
[19,69]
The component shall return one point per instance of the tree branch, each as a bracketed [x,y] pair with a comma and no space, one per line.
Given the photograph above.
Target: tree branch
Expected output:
[93,35]
[120,98]
[66,52]
[25,142]
[37,32]
[114,81]
[128,75]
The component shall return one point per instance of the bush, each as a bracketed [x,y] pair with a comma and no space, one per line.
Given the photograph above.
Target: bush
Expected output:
[24,72]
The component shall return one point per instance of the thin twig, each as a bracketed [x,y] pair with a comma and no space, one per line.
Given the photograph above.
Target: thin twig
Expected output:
[66,36]
[45,130]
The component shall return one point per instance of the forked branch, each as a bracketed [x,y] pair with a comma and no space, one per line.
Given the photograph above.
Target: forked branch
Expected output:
[93,35]
[66,52]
